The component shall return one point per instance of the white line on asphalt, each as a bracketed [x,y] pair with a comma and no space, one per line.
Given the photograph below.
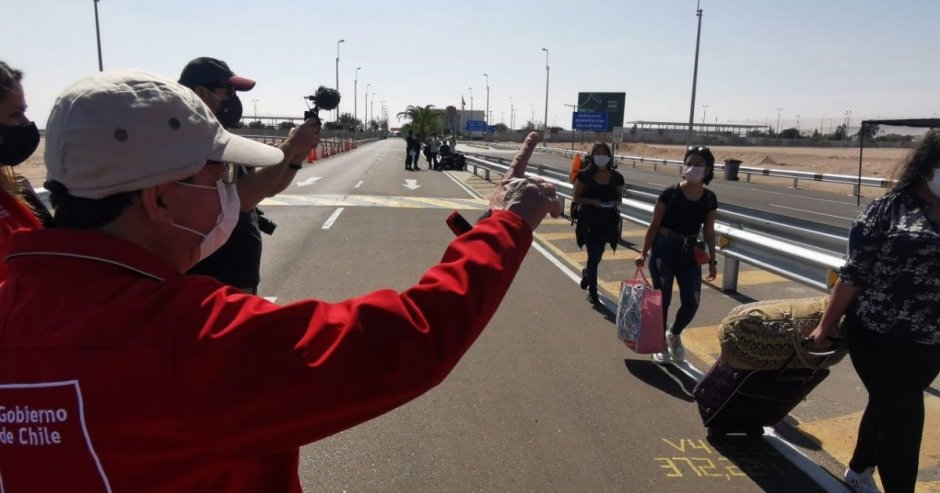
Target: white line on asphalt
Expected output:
[359,184]
[272,299]
[460,184]
[811,212]
[329,222]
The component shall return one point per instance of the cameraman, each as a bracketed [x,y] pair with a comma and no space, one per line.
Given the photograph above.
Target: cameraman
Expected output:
[238,262]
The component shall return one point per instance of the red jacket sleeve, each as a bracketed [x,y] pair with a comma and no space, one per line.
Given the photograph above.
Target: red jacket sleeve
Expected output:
[256,377]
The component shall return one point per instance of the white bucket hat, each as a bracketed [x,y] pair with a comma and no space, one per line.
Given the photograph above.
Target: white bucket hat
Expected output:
[127,130]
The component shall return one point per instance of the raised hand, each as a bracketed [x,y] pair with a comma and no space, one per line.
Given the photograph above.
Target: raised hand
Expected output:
[530,198]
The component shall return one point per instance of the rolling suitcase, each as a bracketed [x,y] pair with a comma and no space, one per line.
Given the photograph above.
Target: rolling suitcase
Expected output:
[733,400]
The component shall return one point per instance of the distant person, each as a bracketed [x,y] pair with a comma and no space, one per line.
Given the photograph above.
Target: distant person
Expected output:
[434,147]
[889,292]
[412,152]
[238,262]
[20,208]
[147,379]
[598,191]
[681,211]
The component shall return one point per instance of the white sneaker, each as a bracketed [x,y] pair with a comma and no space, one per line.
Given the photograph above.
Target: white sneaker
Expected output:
[861,482]
[675,347]
[661,358]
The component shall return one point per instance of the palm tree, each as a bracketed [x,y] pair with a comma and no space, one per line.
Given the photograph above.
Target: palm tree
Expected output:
[424,119]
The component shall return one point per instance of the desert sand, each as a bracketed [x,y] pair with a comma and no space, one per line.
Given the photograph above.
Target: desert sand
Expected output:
[877,163]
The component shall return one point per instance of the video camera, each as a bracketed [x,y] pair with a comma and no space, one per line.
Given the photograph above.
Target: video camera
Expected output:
[325,98]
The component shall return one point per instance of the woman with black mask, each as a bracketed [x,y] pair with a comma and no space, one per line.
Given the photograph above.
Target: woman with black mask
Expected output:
[598,190]
[19,137]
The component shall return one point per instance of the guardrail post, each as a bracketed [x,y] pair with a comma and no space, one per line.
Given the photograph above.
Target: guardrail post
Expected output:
[796,183]
[729,274]
[486,174]
[855,190]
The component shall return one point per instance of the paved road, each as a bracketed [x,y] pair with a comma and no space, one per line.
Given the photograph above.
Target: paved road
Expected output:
[547,399]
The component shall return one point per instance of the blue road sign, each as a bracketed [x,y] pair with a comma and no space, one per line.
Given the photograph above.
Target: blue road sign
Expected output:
[491,128]
[476,125]
[586,120]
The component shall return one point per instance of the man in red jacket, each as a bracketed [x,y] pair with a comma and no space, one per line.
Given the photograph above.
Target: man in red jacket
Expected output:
[118,372]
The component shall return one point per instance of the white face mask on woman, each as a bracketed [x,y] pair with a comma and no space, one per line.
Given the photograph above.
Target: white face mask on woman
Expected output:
[228,218]
[934,183]
[694,174]
[601,160]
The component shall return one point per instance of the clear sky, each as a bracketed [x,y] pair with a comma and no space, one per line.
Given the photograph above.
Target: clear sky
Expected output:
[813,58]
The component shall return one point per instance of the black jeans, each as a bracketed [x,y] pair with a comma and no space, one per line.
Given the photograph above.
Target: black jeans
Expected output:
[671,260]
[895,374]
[595,251]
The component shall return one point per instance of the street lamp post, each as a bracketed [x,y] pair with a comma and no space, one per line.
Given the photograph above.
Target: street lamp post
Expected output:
[255,101]
[798,126]
[545,122]
[471,111]
[698,38]
[98,35]
[355,97]
[365,107]
[778,120]
[337,74]
[704,111]
[512,115]
[486,116]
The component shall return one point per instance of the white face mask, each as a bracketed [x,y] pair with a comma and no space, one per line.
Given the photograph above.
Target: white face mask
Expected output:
[601,160]
[228,218]
[694,174]
[934,183]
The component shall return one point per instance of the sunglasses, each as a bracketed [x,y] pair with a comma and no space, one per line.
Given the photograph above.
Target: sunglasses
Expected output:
[697,149]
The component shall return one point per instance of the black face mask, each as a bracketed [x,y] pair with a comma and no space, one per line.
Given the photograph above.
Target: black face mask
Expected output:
[230,112]
[18,143]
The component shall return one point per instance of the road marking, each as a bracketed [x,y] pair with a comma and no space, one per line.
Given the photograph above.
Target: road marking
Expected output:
[272,299]
[359,184]
[326,200]
[412,184]
[811,212]
[471,192]
[837,435]
[329,222]
[309,181]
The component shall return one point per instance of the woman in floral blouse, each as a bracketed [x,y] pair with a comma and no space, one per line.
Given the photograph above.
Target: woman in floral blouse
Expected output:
[889,292]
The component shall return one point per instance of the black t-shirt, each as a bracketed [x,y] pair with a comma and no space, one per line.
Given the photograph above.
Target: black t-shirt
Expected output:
[238,262]
[594,190]
[683,215]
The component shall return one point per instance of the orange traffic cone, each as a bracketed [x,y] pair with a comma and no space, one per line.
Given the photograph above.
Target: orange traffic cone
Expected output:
[312,156]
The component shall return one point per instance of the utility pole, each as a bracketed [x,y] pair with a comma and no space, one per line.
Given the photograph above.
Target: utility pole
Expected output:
[545,122]
[355,97]
[778,120]
[512,115]
[698,38]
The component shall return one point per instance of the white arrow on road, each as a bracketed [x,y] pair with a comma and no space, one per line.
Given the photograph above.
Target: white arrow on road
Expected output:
[412,184]
[309,181]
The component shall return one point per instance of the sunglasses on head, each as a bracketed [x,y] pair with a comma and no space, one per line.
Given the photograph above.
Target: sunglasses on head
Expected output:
[697,149]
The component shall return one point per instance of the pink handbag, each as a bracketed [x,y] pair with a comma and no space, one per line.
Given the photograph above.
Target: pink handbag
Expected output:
[640,315]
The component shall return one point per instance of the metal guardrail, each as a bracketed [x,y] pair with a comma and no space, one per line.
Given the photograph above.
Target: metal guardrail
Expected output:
[866,181]
[816,269]
[746,219]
